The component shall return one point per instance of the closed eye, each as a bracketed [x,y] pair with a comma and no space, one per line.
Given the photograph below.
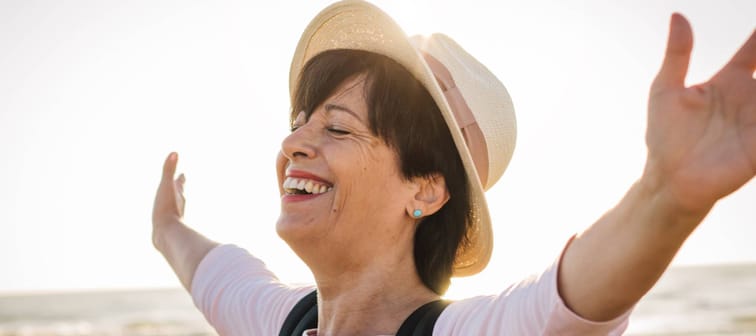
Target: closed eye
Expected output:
[337,131]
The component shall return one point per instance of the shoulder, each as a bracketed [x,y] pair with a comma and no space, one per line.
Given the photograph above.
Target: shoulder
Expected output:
[532,306]
[239,295]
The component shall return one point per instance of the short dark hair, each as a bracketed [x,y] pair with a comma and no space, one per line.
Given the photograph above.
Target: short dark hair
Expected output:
[403,114]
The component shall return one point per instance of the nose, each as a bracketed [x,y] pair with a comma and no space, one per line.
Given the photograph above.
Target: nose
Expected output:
[300,144]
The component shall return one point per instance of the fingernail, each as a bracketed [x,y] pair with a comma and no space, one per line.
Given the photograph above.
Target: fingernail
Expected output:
[172,157]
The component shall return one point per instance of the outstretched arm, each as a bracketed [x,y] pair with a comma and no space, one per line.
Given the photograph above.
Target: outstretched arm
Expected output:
[181,246]
[701,147]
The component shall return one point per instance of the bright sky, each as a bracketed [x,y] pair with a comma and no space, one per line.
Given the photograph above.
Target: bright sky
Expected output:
[94,94]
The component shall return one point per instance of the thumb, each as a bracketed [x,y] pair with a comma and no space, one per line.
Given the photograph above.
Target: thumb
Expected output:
[169,167]
[677,57]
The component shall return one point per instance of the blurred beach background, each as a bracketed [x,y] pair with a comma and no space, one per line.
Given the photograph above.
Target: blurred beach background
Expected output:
[95,93]
[694,300]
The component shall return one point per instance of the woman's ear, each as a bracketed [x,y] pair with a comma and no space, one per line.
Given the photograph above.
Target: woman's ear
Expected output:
[431,194]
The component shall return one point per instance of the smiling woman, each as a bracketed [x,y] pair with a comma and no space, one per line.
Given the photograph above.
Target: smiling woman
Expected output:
[367,111]
[382,180]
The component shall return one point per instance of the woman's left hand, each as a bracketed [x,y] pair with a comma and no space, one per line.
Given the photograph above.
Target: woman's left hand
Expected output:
[701,146]
[701,139]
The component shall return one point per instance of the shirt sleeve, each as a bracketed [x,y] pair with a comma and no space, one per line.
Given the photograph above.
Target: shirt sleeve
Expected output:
[238,295]
[530,307]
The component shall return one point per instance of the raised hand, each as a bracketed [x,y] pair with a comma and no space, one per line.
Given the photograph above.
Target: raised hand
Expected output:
[181,246]
[169,200]
[701,146]
[701,139]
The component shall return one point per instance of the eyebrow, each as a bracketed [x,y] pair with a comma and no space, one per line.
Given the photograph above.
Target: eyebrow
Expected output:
[331,107]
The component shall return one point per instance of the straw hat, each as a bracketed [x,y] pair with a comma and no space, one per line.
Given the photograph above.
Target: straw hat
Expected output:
[475,105]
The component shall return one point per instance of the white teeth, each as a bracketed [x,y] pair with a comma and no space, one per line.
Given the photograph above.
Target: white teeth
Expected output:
[309,186]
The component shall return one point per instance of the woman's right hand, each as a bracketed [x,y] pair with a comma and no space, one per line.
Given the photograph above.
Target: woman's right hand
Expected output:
[169,200]
[181,246]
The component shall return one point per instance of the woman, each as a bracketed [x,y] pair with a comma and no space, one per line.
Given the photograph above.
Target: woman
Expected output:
[393,142]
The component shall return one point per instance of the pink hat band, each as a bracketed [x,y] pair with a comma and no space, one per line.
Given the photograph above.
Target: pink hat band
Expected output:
[474,139]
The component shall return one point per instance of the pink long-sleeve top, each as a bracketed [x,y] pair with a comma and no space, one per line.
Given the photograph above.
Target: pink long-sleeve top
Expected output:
[239,296]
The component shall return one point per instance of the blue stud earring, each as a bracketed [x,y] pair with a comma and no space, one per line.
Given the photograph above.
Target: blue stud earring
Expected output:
[417,213]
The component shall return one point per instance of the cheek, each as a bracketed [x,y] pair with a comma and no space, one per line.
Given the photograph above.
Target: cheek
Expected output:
[373,158]
[371,178]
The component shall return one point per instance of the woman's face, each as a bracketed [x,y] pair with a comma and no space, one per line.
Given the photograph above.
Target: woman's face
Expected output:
[341,185]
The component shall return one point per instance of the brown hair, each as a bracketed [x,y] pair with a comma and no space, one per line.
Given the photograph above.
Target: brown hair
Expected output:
[404,115]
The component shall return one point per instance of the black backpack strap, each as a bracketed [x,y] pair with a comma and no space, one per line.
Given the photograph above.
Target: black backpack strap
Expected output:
[422,320]
[303,316]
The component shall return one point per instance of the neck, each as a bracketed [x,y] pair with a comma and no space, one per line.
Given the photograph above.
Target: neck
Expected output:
[373,300]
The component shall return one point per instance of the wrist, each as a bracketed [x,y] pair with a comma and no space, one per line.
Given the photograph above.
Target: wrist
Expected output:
[664,203]
[161,229]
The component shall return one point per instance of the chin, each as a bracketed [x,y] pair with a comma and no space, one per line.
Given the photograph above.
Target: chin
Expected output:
[300,234]
[292,229]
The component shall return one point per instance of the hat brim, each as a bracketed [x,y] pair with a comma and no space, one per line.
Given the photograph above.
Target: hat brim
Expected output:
[362,26]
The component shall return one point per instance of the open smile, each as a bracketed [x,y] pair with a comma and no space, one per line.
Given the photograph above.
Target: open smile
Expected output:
[304,186]
[301,185]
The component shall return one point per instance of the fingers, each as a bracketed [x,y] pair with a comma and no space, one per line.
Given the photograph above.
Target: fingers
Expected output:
[180,200]
[746,56]
[169,198]
[180,183]
[169,167]
[677,57]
